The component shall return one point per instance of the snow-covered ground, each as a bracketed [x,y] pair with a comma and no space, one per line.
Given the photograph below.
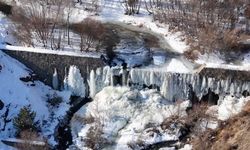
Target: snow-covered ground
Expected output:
[215,60]
[16,94]
[127,117]
[228,107]
[112,11]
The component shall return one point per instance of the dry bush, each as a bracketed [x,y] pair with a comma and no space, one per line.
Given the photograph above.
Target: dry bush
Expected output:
[94,138]
[22,29]
[211,39]
[175,117]
[91,33]
[27,138]
[196,115]
[191,55]
[93,6]
[203,135]
[230,134]
[132,7]
[208,24]
[247,14]
[85,120]
[204,141]
[38,20]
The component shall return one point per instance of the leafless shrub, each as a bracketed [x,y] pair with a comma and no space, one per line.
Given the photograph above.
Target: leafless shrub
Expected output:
[91,33]
[29,140]
[132,7]
[197,121]
[210,25]
[38,20]
[191,55]
[247,14]
[85,120]
[94,138]
[93,6]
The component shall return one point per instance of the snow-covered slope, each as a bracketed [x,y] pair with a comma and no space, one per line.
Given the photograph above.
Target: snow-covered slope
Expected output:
[216,60]
[15,94]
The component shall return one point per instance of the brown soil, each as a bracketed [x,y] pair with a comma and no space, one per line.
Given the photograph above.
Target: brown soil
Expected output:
[233,134]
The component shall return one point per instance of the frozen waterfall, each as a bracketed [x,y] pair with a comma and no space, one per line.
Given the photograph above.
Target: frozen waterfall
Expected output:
[172,86]
[177,86]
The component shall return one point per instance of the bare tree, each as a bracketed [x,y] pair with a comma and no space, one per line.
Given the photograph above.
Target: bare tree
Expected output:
[132,7]
[247,14]
[40,20]
[91,33]
[207,23]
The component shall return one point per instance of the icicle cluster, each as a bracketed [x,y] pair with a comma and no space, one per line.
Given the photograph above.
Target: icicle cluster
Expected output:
[74,82]
[174,85]
[55,80]
[99,79]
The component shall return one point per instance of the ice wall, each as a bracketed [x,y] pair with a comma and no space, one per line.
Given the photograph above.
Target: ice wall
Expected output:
[100,78]
[172,85]
[175,85]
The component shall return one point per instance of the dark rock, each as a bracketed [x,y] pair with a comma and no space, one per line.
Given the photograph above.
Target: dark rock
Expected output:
[7,43]
[5,8]
[1,105]
[210,97]
[26,79]
[246,93]
[33,84]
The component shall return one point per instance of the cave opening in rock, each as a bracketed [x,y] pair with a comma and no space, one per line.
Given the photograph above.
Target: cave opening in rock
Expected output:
[210,97]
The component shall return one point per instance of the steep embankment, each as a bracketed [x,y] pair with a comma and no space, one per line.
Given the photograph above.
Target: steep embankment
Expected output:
[233,133]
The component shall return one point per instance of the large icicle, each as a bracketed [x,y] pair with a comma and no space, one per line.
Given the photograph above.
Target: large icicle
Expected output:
[92,84]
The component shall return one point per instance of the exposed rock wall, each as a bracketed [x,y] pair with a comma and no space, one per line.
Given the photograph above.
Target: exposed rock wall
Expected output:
[44,64]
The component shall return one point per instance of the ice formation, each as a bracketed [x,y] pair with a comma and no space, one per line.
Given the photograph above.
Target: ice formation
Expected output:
[230,106]
[75,82]
[55,80]
[175,85]
[92,84]
[172,86]
[100,78]
[126,116]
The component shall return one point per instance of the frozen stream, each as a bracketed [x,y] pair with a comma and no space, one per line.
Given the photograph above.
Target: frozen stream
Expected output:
[136,46]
